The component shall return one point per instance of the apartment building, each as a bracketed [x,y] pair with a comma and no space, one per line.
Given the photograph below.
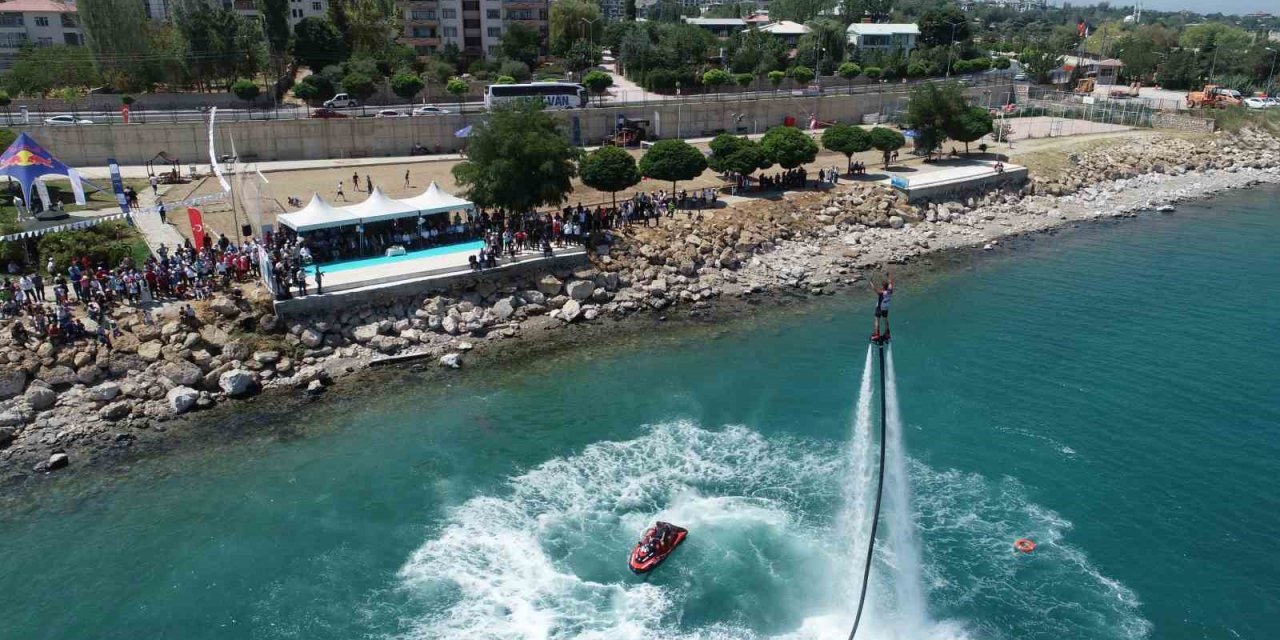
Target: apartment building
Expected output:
[475,27]
[40,22]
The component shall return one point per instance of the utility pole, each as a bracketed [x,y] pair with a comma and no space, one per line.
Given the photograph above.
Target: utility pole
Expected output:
[952,49]
[1271,77]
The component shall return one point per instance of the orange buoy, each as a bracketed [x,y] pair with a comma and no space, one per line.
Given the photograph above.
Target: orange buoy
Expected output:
[1024,545]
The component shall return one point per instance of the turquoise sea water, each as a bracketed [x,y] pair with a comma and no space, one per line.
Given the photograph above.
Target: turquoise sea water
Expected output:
[1110,393]
[466,247]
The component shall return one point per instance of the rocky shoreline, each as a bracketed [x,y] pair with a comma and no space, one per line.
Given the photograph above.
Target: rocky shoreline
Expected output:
[70,405]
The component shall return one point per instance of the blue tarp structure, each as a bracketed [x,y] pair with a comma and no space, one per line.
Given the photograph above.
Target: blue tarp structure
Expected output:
[26,161]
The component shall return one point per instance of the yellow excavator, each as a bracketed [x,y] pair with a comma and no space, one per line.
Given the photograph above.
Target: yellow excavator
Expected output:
[1213,96]
[1085,87]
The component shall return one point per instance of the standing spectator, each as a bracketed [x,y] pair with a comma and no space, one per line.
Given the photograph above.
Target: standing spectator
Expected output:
[406,178]
[341,194]
[368,183]
[155,185]
[160,210]
[355,180]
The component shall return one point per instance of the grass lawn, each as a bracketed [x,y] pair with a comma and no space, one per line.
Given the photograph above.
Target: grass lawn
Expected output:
[60,191]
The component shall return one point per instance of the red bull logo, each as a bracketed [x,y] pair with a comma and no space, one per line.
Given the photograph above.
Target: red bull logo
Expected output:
[25,157]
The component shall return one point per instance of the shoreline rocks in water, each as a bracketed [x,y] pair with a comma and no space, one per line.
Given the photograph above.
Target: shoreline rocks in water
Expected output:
[69,401]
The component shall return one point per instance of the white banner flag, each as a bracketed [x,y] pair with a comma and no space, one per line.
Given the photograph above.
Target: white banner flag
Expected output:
[213,155]
[43,190]
[76,188]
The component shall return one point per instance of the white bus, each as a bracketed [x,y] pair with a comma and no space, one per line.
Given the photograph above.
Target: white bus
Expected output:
[555,95]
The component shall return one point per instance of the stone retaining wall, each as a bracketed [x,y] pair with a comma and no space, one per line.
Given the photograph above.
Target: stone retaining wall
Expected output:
[1166,120]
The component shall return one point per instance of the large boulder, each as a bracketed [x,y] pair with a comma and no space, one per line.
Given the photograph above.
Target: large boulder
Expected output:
[105,392]
[146,332]
[311,338]
[116,411]
[580,289]
[57,461]
[214,336]
[225,307]
[236,382]
[235,350]
[549,285]
[57,376]
[181,372]
[12,382]
[502,309]
[451,360]
[182,399]
[365,333]
[266,357]
[570,311]
[6,436]
[41,397]
[150,351]
[88,375]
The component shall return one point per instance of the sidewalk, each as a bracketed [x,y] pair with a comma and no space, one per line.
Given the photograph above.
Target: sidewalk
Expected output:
[140,171]
[154,231]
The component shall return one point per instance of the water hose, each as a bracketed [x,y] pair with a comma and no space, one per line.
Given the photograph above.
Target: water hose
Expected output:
[875,519]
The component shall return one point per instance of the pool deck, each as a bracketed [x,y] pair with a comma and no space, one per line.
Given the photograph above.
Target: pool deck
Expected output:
[355,286]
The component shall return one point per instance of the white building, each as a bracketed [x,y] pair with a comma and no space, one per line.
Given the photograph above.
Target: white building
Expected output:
[474,26]
[43,23]
[883,38]
[787,31]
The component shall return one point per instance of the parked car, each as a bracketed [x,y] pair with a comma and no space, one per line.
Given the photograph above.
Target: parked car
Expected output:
[389,113]
[1273,103]
[341,100]
[327,113]
[1255,103]
[1020,77]
[63,121]
[430,110]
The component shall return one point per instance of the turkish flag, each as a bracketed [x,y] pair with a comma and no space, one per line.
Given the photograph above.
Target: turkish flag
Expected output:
[197,227]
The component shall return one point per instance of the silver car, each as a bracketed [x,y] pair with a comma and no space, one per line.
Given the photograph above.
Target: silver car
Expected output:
[66,121]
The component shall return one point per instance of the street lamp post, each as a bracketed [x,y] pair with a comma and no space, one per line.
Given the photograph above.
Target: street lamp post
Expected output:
[591,26]
[1271,77]
[951,49]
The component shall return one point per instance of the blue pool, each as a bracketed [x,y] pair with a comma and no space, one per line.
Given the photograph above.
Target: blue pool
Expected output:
[466,247]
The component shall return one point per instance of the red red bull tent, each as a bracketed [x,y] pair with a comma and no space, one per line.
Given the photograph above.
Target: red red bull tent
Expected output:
[26,161]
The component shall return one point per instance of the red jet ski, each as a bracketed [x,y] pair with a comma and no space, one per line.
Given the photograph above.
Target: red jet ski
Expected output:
[658,543]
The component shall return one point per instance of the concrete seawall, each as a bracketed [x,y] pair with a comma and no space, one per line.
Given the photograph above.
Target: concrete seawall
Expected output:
[372,137]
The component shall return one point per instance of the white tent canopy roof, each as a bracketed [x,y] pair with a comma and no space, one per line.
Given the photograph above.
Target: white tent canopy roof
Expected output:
[377,207]
[318,214]
[437,200]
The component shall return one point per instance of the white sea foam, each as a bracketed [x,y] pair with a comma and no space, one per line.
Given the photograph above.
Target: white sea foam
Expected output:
[544,558]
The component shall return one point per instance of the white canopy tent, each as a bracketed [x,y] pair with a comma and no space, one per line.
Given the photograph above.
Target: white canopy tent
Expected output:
[318,214]
[436,200]
[376,208]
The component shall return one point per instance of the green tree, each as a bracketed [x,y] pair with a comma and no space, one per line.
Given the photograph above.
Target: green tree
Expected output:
[776,78]
[521,42]
[855,10]
[736,155]
[1222,45]
[944,26]
[873,73]
[360,85]
[40,70]
[802,75]
[581,56]
[800,11]
[275,20]
[630,10]
[371,25]
[515,69]
[437,71]
[788,147]
[919,70]
[314,88]
[407,85]
[317,43]
[572,20]
[716,78]
[458,88]
[111,35]
[969,125]
[1039,63]
[886,141]
[504,80]
[847,139]
[931,111]
[743,80]
[1179,71]
[518,159]
[597,82]
[672,160]
[849,71]
[246,89]
[609,169]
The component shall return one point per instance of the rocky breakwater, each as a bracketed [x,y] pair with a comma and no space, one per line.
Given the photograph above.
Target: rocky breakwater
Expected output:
[868,227]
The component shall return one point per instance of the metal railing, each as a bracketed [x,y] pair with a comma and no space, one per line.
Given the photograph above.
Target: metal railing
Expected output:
[760,90]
